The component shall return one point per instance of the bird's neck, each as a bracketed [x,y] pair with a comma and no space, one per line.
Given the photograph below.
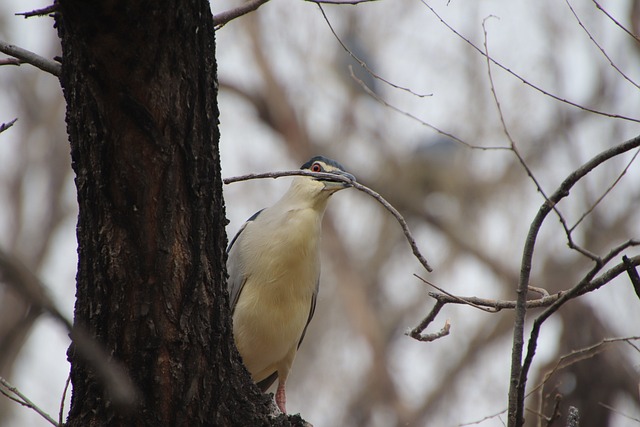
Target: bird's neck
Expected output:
[305,194]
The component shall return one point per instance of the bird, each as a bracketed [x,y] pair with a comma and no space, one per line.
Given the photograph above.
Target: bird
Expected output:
[273,264]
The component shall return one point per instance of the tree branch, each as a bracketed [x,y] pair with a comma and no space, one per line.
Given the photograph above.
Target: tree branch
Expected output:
[518,370]
[5,126]
[39,12]
[633,274]
[119,386]
[522,79]
[11,392]
[223,17]
[355,58]
[51,67]
[357,186]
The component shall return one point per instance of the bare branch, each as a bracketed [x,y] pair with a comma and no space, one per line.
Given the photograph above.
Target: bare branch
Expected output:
[493,304]
[119,386]
[633,274]
[587,284]
[519,370]
[5,126]
[51,67]
[39,12]
[64,396]
[565,361]
[224,17]
[357,186]
[416,332]
[604,53]
[522,79]
[616,22]
[455,298]
[432,337]
[597,202]
[417,119]
[11,392]
[358,60]
[612,409]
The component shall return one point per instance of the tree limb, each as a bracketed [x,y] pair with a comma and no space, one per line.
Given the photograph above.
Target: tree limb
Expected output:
[28,57]
[11,392]
[633,274]
[5,126]
[39,12]
[228,15]
[518,370]
[519,77]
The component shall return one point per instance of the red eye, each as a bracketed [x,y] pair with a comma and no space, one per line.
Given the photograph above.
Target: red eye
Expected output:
[316,167]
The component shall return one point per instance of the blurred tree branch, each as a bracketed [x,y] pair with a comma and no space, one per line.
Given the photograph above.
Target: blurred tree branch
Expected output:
[224,17]
[51,67]
[5,126]
[14,394]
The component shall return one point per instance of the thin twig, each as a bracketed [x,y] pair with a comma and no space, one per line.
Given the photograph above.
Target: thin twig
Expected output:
[5,126]
[574,357]
[64,396]
[616,22]
[456,298]
[360,61]
[522,79]
[357,186]
[7,388]
[417,119]
[417,331]
[228,15]
[622,414]
[434,336]
[604,53]
[597,202]
[39,12]
[505,129]
[494,304]
[51,67]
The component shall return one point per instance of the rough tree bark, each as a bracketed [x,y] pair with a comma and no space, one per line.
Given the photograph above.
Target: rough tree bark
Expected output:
[139,78]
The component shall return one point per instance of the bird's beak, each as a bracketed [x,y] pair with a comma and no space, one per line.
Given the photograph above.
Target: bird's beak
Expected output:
[338,185]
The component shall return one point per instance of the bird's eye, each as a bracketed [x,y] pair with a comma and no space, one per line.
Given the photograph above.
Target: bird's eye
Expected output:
[316,167]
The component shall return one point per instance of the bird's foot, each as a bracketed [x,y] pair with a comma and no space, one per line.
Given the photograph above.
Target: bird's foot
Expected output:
[281,398]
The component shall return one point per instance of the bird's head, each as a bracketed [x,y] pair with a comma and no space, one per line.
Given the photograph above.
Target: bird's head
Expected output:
[315,191]
[328,166]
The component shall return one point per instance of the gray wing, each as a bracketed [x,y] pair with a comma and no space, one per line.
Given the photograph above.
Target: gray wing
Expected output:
[312,310]
[236,280]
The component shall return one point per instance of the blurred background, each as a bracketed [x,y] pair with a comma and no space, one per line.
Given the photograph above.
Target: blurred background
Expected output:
[286,93]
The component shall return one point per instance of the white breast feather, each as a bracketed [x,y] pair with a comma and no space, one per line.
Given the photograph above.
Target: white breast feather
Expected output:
[274,305]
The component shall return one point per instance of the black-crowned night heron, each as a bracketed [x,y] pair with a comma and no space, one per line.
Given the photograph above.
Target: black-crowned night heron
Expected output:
[274,271]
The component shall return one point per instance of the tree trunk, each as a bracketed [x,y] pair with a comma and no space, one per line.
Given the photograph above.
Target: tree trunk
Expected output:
[139,78]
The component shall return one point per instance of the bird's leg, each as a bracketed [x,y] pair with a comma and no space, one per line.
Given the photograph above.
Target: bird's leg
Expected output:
[281,398]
